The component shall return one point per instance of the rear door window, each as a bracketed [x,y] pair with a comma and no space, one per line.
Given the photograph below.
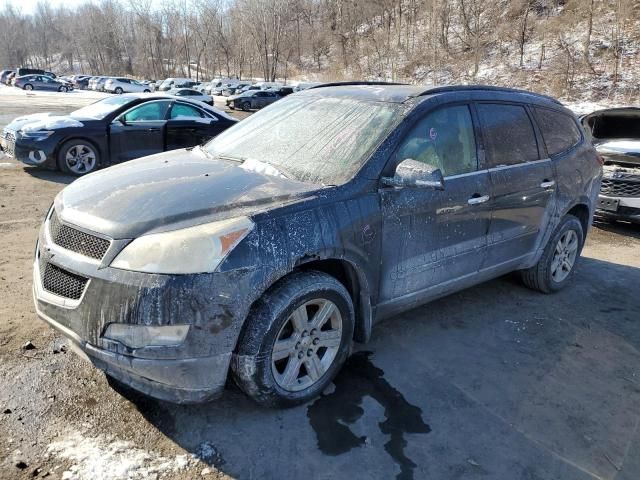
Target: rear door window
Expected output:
[180,111]
[508,134]
[559,131]
[443,139]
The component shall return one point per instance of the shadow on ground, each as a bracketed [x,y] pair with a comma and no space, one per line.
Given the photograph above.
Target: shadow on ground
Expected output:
[494,382]
[49,175]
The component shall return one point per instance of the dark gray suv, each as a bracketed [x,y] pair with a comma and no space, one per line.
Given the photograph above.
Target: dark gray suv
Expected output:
[269,250]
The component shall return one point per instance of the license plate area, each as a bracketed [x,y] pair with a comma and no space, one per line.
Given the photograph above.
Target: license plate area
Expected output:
[608,204]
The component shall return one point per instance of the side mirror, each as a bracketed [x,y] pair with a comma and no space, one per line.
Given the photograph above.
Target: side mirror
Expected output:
[411,173]
[121,120]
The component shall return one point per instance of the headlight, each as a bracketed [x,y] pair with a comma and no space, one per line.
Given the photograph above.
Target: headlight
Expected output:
[37,135]
[138,336]
[198,249]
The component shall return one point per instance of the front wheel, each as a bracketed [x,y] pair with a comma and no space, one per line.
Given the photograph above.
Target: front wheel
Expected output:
[146,91]
[62,89]
[78,157]
[559,258]
[246,106]
[295,341]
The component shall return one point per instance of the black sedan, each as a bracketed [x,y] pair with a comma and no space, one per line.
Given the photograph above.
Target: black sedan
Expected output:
[111,131]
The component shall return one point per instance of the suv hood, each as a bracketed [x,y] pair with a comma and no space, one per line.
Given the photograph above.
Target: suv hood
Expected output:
[172,190]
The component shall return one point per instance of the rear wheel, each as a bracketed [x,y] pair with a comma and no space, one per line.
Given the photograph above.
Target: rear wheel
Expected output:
[146,91]
[295,341]
[557,264]
[28,86]
[119,91]
[78,157]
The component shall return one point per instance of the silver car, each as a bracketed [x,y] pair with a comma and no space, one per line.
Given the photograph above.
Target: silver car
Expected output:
[42,82]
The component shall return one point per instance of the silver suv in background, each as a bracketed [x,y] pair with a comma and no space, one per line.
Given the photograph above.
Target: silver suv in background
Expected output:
[616,136]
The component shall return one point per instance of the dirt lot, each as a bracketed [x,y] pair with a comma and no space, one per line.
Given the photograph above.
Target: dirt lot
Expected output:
[494,382]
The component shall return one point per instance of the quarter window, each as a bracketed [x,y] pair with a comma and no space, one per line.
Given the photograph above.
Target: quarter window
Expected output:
[443,139]
[559,131]
[508,134]
[147,112]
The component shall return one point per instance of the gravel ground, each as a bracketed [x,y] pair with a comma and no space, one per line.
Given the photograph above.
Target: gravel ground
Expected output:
[493,382]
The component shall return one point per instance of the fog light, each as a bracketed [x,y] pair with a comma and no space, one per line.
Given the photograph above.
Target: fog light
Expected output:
[138,336]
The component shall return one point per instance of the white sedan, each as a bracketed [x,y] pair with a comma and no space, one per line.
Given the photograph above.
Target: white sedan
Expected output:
[191,94]
[125,85]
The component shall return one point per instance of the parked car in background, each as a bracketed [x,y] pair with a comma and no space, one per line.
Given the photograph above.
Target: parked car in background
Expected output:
[191,94]
[251,255]
[616,135]
[252,100]
[247,88]
[170,83]
[21,72]
[81,82]
[42,82]
[97,83]
[200,87]
[4,74]
[233,89]
[281,91]
[112,130]
[125,85]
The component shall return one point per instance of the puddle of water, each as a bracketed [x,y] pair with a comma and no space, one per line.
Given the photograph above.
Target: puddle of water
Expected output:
[331,415]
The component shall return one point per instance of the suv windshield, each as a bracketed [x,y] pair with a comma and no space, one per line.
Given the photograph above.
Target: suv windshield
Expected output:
[317,140]
[101,109]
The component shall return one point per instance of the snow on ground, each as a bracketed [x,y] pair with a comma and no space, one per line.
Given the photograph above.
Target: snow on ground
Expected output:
[102,458]
[13,91]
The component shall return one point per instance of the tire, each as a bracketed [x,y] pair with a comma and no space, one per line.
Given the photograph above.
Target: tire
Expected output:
[62,89]
[246,106]
[85,154]
[146,91]
[118,91]
[263,376]
[28,86]
[548,276]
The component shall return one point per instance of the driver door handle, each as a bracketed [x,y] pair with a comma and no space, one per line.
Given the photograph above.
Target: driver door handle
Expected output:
[476,200]
[547,184]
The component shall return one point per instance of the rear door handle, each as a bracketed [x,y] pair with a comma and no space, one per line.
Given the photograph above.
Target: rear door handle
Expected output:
[478,200]
[547,184]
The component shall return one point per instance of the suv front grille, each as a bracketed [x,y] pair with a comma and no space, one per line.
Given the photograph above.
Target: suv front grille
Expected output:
[60,282]
[76,240]
[620,188]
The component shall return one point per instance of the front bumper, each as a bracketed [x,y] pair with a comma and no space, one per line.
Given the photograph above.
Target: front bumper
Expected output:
[619,208]
[30,152]
[190,380]
[193,371]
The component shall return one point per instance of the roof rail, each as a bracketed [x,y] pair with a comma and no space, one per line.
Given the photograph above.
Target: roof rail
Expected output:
[491,88]
[346,84]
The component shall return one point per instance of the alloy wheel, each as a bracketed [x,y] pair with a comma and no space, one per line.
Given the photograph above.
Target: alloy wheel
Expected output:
[306,345]
[80,159]
[564,256]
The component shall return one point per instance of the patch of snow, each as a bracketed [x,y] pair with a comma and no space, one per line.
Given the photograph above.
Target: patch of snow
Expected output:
[253,165]
[101,458]
[51,122]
